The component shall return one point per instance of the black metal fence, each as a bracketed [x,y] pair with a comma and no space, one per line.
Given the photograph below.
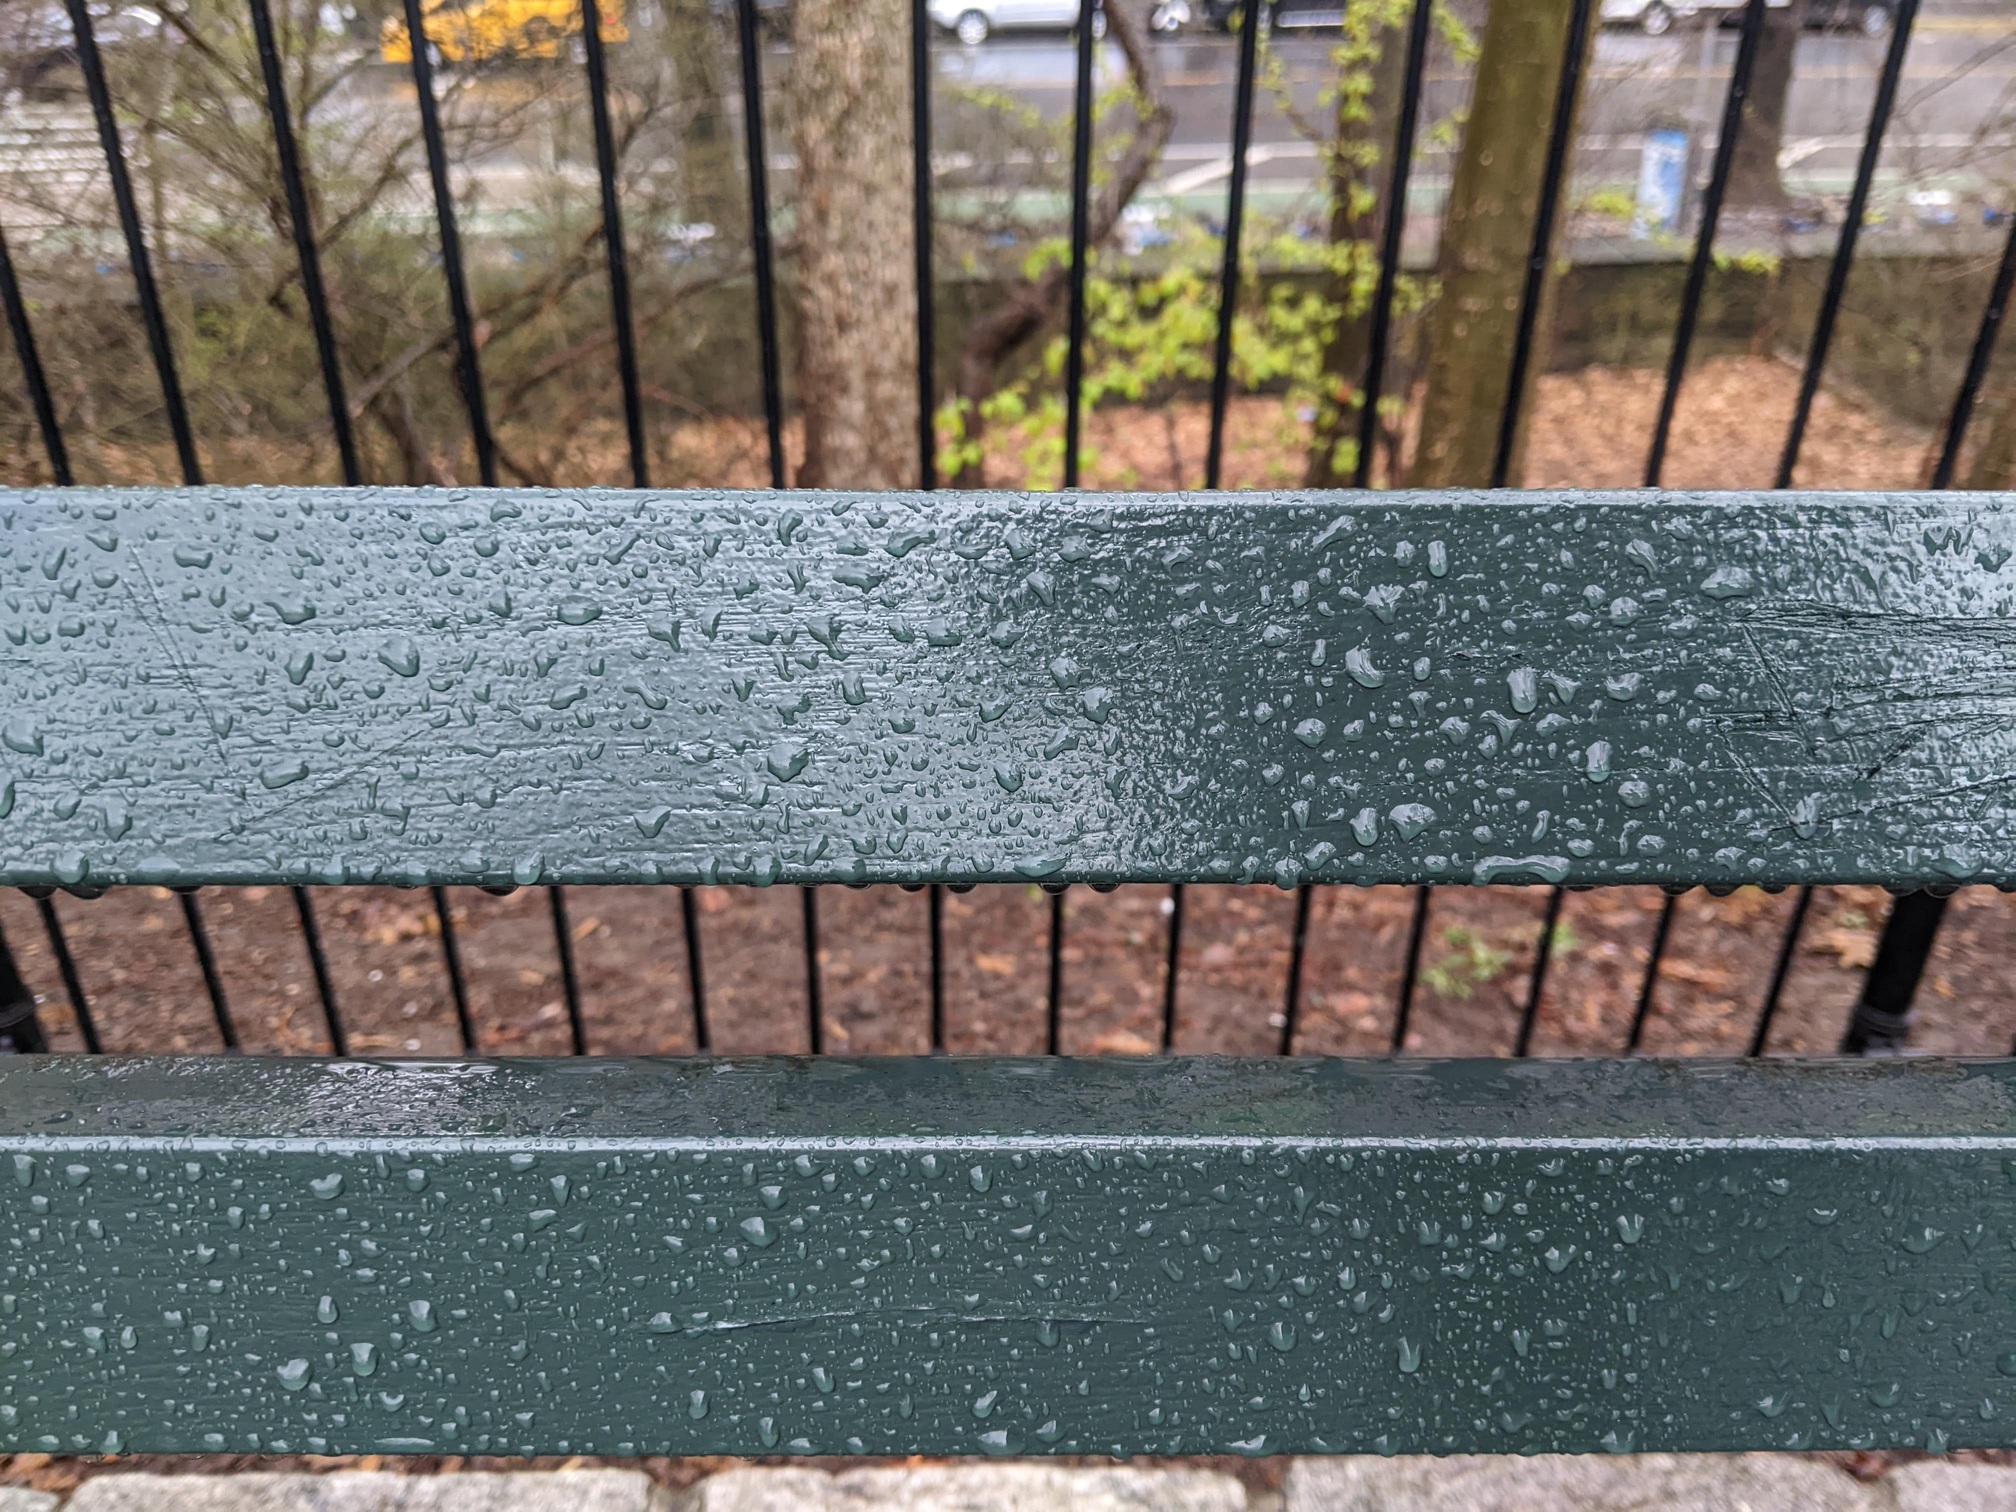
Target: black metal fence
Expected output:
[1879,1021]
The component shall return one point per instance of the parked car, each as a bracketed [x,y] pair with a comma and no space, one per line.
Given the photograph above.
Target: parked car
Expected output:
[478,31]
[1872,18]
[774,16]
[36,43]
[974,21]
[1288,15]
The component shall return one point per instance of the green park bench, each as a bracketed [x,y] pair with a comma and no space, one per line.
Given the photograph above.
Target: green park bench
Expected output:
[1010,1256]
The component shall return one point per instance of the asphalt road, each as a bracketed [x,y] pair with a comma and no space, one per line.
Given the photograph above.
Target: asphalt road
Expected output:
[1956,117]
[1955,125]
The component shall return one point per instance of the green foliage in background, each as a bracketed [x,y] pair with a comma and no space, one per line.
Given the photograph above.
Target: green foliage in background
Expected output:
[1152,316]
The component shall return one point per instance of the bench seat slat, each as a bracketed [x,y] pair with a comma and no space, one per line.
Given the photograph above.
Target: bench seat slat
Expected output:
[946,1256]
[301,685]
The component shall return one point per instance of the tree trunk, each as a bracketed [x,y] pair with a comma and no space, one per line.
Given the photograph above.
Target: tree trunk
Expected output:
[711,166]
[1993,464]
[1360,169]
[1486,241]
[1754,182]
[857,312]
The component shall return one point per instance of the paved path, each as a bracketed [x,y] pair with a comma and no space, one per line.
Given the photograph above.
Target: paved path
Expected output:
[1545,1483]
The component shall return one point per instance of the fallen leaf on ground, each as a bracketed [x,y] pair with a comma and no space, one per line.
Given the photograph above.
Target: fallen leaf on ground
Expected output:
[1854,948]
[1123,1042]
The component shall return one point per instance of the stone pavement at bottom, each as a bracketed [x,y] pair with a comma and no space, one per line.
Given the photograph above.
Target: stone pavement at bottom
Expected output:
[1545,1483]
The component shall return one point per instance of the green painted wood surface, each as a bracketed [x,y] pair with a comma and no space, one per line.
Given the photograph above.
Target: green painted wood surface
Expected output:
[221,686]
[828,1256]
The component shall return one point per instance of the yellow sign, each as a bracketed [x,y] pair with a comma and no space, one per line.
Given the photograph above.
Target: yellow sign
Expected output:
[470,31]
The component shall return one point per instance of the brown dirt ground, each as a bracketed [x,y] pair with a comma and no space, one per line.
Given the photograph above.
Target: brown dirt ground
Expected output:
[384,950]
[1589,429]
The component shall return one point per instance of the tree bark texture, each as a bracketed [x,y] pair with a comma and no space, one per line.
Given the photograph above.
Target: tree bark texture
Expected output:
[711,168]
[1486,239]
[1754,181]
[857,313]
[1993,460]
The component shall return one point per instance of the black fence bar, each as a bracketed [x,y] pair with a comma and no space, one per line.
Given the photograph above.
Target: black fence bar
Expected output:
[1881,1023]
[760,245]
[66,967]
[1704,241]
[934,918]
[1787,948]
[689,921]
[1235,222]
[451,958]
[1391,236]
[468,368]
[920,235]
[1851,231]
[301,222]
[1410,972]
[152,317]
[570,983]
[1081,231]
[1171,967]
[927,389]
[1536,988]
[318,962]
[1054,1001]
[1298,955]
[20,1027]
[815,997]
[1649,987]
[32,372]
[1978,362]
[1560,149]
[206,962]
[612,240]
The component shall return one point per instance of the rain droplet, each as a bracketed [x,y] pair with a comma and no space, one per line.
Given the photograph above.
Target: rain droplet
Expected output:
[21,736]
[1727,582]
[1358,662]
[401,656]
[787,759]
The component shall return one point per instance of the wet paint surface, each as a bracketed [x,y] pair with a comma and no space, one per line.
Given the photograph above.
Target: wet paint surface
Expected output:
[258,686]
[954,1257]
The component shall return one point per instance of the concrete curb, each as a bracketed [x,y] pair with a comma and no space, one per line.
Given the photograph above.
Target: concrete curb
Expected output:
[372,1491]
[1464,1483]
[968,1488]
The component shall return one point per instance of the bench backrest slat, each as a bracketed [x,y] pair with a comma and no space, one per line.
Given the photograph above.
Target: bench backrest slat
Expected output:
[306,685]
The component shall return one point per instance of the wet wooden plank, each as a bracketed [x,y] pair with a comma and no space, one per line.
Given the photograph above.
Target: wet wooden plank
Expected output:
[254,686]
[948,1256]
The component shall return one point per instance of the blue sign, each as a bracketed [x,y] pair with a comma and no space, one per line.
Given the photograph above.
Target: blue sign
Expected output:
[1662,182]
